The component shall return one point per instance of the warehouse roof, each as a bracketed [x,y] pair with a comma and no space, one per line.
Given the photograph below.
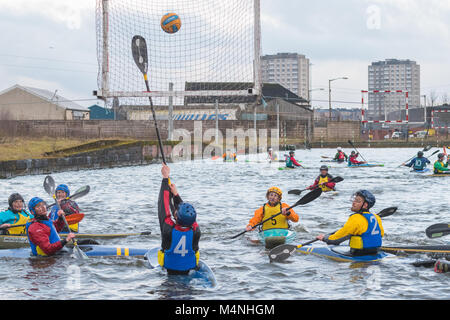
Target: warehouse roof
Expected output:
[48,96]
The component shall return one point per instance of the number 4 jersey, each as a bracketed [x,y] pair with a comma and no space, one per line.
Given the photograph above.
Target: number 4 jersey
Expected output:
[179,245]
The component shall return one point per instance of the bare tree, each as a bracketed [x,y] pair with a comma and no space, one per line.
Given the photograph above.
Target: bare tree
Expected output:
[432,98]
[444,98]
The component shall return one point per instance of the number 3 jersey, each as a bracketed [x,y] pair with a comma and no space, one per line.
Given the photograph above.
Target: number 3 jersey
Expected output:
[179,245]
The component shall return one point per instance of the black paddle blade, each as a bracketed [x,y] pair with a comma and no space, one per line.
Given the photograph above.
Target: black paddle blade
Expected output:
[81,192]
[424,263]
[313,195]
[387,212]
[282,252]
[49,185]
[438,230]
[337,179]
[140,55]
[295,192]
[427,148]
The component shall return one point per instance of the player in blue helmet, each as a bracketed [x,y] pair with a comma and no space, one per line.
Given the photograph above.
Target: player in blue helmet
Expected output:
[180,233]
[62,194]
[363,229]
[42,232]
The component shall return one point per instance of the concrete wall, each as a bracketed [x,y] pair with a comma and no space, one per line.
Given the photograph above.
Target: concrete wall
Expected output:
[139,130]
[111,157]
[338,131]
[20,105]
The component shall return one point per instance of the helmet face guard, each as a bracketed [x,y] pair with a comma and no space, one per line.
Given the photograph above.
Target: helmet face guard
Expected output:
[368,197]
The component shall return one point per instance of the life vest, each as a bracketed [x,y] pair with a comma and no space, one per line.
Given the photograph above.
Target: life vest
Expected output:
[279,222]
[181,255]
[324,180]
[54,237]
[442,165]
[68,210]
[371,238]
[20,218]
[341,156]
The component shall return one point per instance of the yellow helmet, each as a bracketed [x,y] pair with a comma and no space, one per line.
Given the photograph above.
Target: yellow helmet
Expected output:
[276,190]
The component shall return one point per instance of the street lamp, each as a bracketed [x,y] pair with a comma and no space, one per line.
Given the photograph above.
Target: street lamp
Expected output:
[329,91]
[310,96]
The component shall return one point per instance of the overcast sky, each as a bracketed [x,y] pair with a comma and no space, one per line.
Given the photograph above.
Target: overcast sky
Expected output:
[51,43]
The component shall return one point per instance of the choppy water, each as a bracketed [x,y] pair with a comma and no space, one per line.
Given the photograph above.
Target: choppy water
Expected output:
[225,195]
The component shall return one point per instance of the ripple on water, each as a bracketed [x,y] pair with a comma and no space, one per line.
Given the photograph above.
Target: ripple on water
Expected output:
[226,195]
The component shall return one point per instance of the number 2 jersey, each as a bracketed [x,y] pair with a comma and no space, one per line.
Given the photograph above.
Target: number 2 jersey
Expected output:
[364,230]
[179,245]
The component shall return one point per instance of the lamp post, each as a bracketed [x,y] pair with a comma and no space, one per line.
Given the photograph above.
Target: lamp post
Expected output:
[329,91]
[310,95]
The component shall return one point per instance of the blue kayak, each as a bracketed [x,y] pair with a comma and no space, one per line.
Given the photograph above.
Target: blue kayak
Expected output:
[421,171]
[203,275]
[341,254]
[90,250]
[275,237]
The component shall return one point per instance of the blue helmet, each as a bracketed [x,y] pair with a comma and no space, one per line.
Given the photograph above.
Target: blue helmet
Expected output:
[33,203]
[63,187]
[186,215]
[367,196]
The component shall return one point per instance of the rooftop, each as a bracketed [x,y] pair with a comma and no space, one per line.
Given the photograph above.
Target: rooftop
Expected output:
[48,96]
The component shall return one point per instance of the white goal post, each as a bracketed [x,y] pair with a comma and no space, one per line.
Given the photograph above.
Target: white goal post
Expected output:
[216,52]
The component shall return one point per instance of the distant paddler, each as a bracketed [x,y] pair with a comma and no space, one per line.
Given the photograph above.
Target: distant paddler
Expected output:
[352,161]
[271,208]
[363,229]
[229,156]
[291,162]
[340,156]
[271,156]
[323,181]
[43,232]
[62,194]
[180,233]
[419,163]
[15,215]
[440,166]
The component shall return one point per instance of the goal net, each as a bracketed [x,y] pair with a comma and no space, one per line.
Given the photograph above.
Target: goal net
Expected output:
[216,51]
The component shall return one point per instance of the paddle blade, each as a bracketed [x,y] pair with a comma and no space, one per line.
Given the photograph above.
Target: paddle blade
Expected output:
[296,192]
[313,195]
[387,212]
[438,230]
[49,185]
[337,179]
[140,55]
[78,253]
[74,218]
[281,253]
[81,192]
[427,148]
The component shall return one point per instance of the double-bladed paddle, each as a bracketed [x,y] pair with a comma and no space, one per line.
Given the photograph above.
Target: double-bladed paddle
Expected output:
[283,252]
[353,146]
[299,192]
[438,230]
[426,149]
[49,186]
[313,195]
[77,195]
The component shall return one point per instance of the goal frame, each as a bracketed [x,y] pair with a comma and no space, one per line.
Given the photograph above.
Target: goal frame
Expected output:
[363,109]
[104,92]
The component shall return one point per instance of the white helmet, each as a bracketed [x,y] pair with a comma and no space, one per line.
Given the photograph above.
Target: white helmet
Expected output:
[339,149]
